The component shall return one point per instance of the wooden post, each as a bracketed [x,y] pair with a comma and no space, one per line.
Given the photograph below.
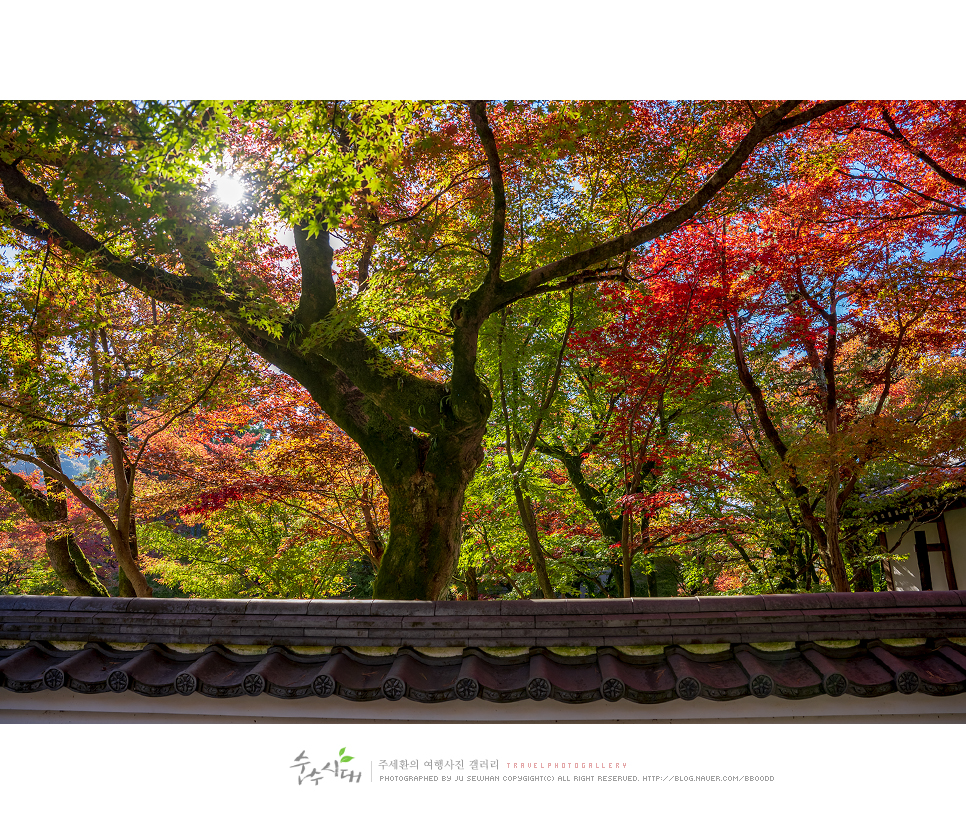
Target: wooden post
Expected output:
[886,563]
[947,553]
[922,555]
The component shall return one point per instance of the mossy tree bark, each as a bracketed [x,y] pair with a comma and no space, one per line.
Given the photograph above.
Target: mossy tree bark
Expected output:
[119,531]
[49,510]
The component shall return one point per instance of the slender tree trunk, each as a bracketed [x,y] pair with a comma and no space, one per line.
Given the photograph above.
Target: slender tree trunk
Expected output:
[786,559]
[127,564]
[125,587]
[825,538]
[121,531]
[836,561]
[373,536]
[124,477]
[472,588]
[537,555]
[861,572]
[627,555]
[525,503]
[611,529]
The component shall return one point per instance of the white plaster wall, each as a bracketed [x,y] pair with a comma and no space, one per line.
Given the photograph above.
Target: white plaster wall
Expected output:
[906,572]
[956,528]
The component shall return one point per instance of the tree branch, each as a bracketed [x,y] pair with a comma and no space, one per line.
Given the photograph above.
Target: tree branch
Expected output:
[34,502]
[497,234]
[186,290]
[318,288]
[899,138]
[76,491]
[771,123]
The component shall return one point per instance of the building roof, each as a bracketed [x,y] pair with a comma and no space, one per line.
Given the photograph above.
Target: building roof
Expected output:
[920,507]
[574,651]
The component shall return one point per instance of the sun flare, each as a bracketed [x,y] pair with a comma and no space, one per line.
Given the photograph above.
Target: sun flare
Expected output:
[229,190]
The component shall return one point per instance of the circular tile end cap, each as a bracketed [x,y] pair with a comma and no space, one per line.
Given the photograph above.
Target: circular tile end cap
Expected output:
[323,685]
[538,688]
[118,681]
[688,688]
[761,685]
[907,682]
[835,684]
[253,684]
[53,678]
[467,688]
[185,684]
[612,689]
[393,688]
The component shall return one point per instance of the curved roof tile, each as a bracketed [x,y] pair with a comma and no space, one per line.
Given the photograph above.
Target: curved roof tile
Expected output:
[645,651]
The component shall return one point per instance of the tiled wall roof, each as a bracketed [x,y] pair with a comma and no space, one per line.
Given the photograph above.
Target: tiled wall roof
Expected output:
[617,622]
[644,650]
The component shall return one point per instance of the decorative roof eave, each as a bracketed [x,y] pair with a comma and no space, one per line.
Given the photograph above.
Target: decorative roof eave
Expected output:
[919,510]
[575,651]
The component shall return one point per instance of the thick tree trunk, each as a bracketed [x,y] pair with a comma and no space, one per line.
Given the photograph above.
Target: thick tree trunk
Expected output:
[425,533]
[425,515]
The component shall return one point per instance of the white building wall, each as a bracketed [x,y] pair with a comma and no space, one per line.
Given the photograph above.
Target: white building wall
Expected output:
[906,571]
[956,528]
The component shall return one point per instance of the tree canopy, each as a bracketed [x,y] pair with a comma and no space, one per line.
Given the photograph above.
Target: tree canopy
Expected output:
[480,349]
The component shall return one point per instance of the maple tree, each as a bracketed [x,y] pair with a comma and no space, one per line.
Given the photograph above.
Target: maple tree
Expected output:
[828,314]
[904,160]
[120,185]
[653,357]
[271,462]
[96,371]
[30,421]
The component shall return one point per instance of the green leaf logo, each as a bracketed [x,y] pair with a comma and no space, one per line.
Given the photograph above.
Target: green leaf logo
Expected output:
[343,757]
